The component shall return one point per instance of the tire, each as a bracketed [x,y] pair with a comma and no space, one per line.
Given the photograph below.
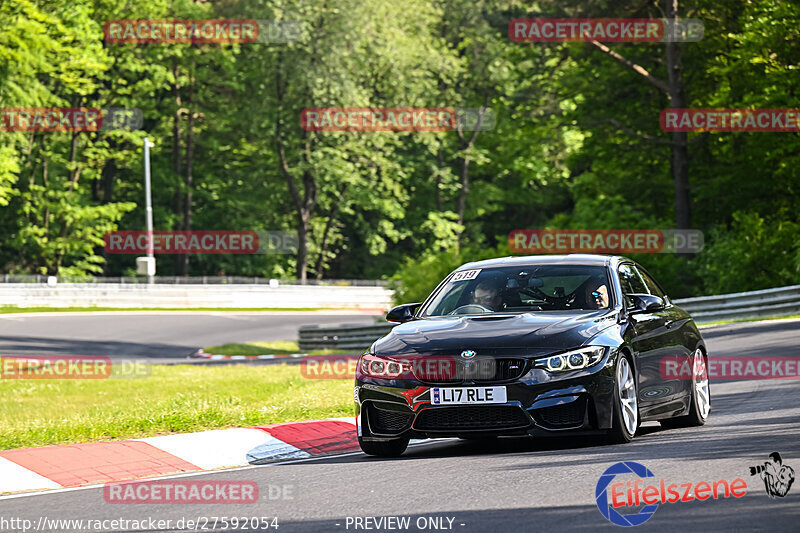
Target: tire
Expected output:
[700,401]
[389,448]
[623,428]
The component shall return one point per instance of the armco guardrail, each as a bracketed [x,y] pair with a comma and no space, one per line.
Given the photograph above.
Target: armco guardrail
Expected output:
[755,304]
[342,337]
[739,305]
[176,296]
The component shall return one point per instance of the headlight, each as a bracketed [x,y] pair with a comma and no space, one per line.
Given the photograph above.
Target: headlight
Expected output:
[375,366]
[573,360]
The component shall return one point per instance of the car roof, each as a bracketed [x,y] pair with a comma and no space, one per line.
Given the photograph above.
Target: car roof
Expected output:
[569,259]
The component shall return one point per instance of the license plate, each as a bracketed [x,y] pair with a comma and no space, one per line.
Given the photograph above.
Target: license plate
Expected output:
[467,395]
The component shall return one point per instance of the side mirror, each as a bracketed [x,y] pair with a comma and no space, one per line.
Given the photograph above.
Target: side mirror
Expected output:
[402,313]
[646,303]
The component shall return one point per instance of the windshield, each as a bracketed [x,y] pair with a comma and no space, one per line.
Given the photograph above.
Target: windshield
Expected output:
[522,289]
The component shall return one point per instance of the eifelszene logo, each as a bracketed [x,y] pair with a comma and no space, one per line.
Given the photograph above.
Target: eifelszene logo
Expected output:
[777,477]
[643,499]
[607,508]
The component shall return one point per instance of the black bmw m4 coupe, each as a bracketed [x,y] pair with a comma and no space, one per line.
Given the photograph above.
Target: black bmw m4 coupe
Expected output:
[544,345]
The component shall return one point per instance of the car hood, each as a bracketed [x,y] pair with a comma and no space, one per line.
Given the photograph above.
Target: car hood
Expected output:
[526,334]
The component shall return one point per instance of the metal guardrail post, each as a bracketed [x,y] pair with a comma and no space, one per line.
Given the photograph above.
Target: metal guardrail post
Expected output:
[735,306]
[342,337]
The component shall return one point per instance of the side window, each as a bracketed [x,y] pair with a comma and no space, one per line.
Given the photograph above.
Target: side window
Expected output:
[652,286]
[631,283]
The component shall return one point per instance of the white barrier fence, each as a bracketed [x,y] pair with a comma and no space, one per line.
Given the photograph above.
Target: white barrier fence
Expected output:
[177,296]
[768,302]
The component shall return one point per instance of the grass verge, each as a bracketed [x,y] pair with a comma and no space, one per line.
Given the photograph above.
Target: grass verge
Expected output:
[757,319]
[173,399]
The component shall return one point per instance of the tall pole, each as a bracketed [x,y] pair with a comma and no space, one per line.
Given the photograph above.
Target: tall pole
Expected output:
[148,210]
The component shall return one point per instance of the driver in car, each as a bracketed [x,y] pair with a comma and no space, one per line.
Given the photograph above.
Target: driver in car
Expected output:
[487,294]
[596,295]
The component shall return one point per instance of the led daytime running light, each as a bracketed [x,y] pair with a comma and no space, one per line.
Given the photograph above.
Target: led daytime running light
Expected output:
[574,360]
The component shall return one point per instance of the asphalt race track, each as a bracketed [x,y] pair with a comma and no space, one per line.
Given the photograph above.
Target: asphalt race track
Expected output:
[518,484]
[159,335]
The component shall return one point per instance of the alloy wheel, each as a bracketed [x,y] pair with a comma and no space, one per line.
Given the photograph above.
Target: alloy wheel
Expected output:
[702,396]
[626,389]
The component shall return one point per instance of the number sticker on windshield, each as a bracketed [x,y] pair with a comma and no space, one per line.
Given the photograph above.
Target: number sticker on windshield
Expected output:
[466,275]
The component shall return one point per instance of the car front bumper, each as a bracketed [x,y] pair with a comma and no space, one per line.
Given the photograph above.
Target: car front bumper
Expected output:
[537,403]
